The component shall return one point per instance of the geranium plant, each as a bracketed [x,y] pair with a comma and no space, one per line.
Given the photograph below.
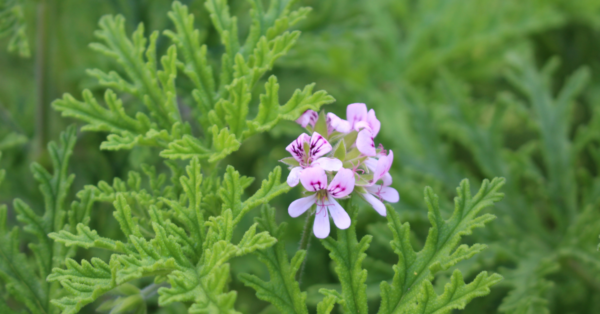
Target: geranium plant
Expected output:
[179,231]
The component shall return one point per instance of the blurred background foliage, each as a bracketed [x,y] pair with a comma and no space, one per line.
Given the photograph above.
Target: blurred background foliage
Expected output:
[463,88]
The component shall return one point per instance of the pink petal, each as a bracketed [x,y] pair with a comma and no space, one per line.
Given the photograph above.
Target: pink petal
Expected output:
[361,125]
[389,194]
[328,164]
[356,113]
[321,225]
[294,176]
[336,123]
[376,203]
[374,124]
[383,166]
[342,184]
[387,179]
[319,146]
[385,193]
[296,148]
[371,163]
[339,215]
[365,143]
[314,179]
[309,117]
[299,206]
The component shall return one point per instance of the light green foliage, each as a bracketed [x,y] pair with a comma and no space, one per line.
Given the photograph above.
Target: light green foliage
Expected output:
[457,86]
[441,249]
[11,140]
[411,290]
[26,280]
[12,25]
[175,241]
[456,294]
[221,109]
[181,233]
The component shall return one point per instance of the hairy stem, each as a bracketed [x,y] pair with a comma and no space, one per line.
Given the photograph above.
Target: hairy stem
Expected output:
[152,290]
[41,125]
[304,244]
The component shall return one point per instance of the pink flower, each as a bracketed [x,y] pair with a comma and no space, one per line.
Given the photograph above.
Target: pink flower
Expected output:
[317,146]
[315,180]
[376,193]
[309,117]
[361,121]
[381,168]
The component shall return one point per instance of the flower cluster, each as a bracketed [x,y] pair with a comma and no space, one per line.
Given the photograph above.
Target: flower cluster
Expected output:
[330,172]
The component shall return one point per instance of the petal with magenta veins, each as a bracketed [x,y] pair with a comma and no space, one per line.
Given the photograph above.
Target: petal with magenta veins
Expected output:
[314,179]
[301,205]
[296,148]
[383,166]
[321,225]
[319,146]
[356,113]
[365,143]
[342,184]
[376,203]
[338,124]
[385,193]
[294,177]
[328,164]
[374,124]
[309,117]
[339,215]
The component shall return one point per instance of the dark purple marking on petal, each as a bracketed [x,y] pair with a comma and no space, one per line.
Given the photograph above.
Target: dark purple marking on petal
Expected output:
[336,190]
[316,146]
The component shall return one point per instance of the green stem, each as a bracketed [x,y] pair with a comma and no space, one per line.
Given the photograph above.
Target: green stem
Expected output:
[41,126]
[152,290]
[305,244]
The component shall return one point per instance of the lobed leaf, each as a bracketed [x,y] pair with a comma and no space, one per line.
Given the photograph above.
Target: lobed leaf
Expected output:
[348,253]
[282,290]
[415,269]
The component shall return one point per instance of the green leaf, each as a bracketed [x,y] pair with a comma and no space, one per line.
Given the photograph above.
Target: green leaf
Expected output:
[232,190]
[13,26]
[269,189]
[415,269]
[188,147]
[340,151]
[456,294]
[331,298]
[530,288]
[126,220]
[111,118]
[236,108]
[192,216]
[303,100]
[15,272]
[196,64]
[144,80]
[87,238]
[12,140]
[224,143]
[24,284]
[282,290]
[85,282]
[548,113]
[348,253]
